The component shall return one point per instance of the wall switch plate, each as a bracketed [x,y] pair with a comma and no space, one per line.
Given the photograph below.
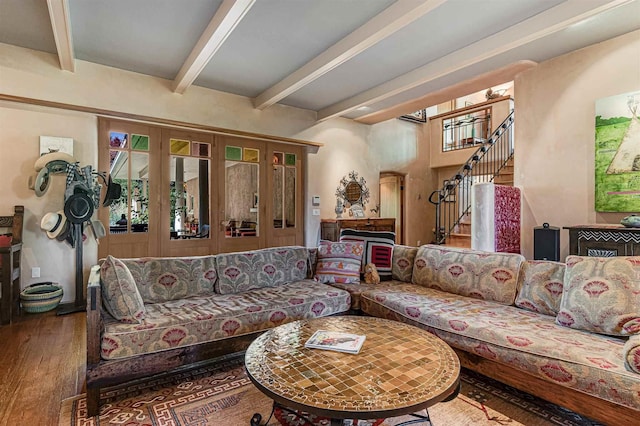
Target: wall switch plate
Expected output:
[316,212]
[35,272]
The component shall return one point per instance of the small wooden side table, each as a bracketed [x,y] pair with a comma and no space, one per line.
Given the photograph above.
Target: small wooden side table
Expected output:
[10,281]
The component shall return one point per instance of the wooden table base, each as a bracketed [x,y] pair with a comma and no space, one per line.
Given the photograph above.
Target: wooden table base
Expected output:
[256,419]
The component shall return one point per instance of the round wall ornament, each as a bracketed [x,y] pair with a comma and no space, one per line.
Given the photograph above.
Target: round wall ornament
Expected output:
[353,190]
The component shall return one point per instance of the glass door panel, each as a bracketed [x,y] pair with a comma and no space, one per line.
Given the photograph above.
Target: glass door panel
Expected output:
[241,199]
[290,197]
[129,168]
[189,197]
[139,192]
[119,209]
[284,190]
[278,193]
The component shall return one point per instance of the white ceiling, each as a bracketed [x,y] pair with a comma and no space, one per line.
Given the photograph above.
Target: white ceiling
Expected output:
[364,59]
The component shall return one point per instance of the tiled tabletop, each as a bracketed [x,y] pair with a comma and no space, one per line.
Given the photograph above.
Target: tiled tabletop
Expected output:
[399,370]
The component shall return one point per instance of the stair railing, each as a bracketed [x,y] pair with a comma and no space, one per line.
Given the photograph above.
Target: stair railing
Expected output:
[453,200]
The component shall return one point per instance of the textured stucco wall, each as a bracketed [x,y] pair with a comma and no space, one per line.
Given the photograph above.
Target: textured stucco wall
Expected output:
[555,136]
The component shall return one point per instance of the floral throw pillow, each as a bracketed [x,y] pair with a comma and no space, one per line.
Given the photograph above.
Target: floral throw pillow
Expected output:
[602,295]
[402,263]
[119,291]
[540,286]
[339,262]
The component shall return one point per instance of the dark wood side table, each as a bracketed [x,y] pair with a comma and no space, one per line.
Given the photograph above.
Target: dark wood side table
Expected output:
[10,281]
[330,228]
[603,240]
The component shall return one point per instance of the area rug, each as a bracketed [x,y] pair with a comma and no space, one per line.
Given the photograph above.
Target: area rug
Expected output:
[222,395]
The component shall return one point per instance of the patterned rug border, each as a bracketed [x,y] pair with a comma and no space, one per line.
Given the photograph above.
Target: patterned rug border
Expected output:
[544,410]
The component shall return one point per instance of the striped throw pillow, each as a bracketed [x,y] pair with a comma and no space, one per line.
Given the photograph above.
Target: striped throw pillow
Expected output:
[378,249]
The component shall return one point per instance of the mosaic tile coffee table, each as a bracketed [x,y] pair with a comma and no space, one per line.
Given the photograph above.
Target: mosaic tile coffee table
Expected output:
[400,370]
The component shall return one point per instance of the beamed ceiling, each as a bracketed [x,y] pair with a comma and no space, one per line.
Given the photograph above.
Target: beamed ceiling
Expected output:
[368,60]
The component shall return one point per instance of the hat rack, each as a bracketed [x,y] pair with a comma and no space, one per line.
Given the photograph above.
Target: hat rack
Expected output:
[81,200]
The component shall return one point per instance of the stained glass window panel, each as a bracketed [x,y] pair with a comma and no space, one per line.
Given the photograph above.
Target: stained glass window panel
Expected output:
[180,147]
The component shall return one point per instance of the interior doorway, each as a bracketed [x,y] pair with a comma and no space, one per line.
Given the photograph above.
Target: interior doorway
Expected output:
[392,200]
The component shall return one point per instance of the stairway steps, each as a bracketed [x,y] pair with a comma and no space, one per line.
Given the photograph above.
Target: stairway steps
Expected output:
[503,180]
[463,228]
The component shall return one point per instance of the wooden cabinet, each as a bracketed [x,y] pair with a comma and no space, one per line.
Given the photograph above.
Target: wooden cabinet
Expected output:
[603,240]
[330,228]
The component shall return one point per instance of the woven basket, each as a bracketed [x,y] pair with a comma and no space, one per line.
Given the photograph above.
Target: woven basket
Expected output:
[40,297]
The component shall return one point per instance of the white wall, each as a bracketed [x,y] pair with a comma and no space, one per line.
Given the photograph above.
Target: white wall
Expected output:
[555,135]
[19,147]
[345,149]
[403,147]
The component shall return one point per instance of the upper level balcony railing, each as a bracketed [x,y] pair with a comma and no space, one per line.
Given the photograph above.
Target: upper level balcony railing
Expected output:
[466,130]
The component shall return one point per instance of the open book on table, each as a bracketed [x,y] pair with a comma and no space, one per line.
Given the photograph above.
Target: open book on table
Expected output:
[336,341]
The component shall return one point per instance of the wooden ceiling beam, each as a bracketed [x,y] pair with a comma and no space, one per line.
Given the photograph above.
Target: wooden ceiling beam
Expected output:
[395,17]
[61,25]
[527,31]
[225,20]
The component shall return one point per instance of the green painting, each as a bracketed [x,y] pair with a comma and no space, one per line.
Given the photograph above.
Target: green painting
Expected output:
[617,153]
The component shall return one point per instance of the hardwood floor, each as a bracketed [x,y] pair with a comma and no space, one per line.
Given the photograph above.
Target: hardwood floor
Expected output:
[42,362]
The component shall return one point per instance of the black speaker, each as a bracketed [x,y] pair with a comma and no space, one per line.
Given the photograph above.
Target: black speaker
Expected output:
[546,242]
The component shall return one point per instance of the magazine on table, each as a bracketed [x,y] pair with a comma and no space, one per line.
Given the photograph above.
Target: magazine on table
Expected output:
[336,341]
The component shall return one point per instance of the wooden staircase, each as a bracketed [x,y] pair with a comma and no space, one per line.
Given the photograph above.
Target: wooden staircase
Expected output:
[461,235]
[505,175]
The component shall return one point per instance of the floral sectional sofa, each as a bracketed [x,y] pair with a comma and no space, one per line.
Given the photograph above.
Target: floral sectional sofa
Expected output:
[150,315]
[565,332]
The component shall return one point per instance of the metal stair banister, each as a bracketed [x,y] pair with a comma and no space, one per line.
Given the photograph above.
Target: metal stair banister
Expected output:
[453,200]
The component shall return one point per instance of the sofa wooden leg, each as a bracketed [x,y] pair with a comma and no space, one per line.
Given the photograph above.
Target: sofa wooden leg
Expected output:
[93,401]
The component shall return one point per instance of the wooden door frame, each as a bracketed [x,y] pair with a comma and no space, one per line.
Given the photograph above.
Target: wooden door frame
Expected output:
[295,235]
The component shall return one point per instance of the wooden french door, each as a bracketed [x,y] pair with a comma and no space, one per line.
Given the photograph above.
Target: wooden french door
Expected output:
[284,204]
[242,213]
[129,155]
[188,193]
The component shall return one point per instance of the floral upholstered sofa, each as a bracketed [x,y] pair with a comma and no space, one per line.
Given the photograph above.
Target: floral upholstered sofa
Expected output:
[567,332]
[150,315]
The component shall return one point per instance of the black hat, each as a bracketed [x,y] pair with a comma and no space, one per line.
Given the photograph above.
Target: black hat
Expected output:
[113,193]
[66,230]
[79,207]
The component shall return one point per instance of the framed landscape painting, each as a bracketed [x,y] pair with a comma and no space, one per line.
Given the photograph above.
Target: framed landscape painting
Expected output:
[617,155]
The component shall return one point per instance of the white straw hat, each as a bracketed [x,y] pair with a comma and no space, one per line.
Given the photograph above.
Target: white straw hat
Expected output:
[60,157]
[53,223]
